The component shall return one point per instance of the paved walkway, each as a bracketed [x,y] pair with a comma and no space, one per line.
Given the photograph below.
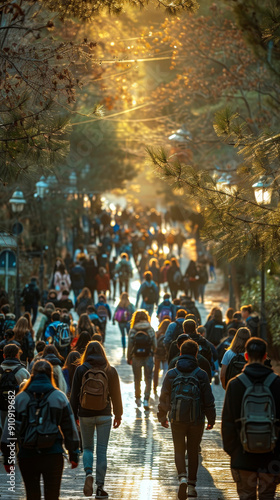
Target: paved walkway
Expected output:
[140,455]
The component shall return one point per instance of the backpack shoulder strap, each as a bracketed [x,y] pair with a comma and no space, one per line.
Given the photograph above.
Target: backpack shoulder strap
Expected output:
[17,369]
[245,380]
[270,379]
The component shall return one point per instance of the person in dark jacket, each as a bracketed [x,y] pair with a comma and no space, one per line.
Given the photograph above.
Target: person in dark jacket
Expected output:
[24,337]
[78,276]
[174,356]
[95,358]
[215,328]
[149,293]
[186,431]
[252,472]
[251,319]
[205,350]
[9,338]
[31,297]
[225,344]
[65,302]
[166,309]
[47,461]
[189,305]
[174,329]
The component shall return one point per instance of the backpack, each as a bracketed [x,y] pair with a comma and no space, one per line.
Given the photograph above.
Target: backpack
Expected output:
[142,344]
[177,277]
[216,333]
[259,432]
[62,335]
[161,353]
[165,313]
[185,397]
[94,392]
[124,271]
[9,324]
[121,315]
[8,382]
[177,330]
[235,367]
[29,295]
[150,295]
[37,429]
[205,350]
[102,312]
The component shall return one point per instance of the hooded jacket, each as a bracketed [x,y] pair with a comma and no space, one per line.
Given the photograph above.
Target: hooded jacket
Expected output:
[11,364]
[97,362]
[167,304]
[173,331]
[142,325]
[62,414]
[186,364]
[231,429]
[143,291]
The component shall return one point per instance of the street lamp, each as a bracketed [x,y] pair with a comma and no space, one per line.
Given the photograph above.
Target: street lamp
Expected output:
[263,195]
[41,187]
[17,203]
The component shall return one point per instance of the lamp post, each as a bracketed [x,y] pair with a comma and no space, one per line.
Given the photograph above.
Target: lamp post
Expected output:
[41,189]
[263,194]
[17,203]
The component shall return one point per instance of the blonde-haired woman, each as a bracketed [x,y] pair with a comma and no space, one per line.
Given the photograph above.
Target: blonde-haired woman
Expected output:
[141,346]
[46,460]
[123,315]
[95,358]
[236,347]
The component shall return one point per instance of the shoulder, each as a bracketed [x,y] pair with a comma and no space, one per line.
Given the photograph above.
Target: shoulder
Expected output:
[58,398]
[228,357]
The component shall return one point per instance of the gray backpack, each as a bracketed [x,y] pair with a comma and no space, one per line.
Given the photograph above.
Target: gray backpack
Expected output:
[258,432]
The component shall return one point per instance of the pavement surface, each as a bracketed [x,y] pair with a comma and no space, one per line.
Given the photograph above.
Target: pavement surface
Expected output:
[140,452]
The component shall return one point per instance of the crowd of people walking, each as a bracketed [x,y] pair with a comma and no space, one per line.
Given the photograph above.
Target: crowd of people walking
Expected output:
[67,391]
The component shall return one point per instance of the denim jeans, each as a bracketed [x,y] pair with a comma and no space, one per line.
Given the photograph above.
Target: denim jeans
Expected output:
[193,433]
[248,483]
[148,307]
[124,328]
[147,364]
[102,424]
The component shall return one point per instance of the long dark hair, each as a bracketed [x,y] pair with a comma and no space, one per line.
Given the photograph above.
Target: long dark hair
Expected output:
[83,340]
[27,315]
[92,348]
[21,329]
[163,326]
[42,366]
[51,349]
[85,325]
[71,364]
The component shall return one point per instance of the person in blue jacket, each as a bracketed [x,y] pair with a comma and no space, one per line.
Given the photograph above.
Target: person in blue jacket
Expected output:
[166,309]
[149,292]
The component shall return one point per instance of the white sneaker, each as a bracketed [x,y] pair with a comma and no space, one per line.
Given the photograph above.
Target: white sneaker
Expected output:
[146,404]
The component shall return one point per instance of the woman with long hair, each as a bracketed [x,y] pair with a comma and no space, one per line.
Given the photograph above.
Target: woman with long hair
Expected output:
[90,418]
[141,346]
[193,277]
[83,340]
[236,347]
[215,328]
[27,315]
[84,300]
[174,277]
[69,369]
[85,325]
[24,337]
[62,280]
[51,354]
[45,460]
[160,352]
[123,314]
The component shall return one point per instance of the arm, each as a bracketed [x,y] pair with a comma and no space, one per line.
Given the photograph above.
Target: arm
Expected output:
[109,311]
[169,335]
[164,400]
[115,393]
[223,376]
[69,430]
[138,295]
[230,432]
[75,392]
[208,400]
[130,344]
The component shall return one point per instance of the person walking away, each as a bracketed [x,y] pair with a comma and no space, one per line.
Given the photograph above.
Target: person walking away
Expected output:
[65,302]
[192,275]
[62,280]
[253,444]
[85,325]
[12,374]
[78,276]
[189,305]
[215,328]
[24,337]
[82,342]
[31,297]
[41,447]
[187,397]
[160,352]
[163,275]
[166,309]
[95,389]
[174,356]
[149,292]
[124,272]
[202,281]
[69,369]
[113,277]
[251,319]
[224,344]
[174,329]
[180,240]
[104,312]
[91,270]
[102,281]
[123,314]
[84,300]
[39,348]
[93,316]
[233,360]
[174,277]
[141,346]
[9,338]
[51,354]
[170,240]
[155,270]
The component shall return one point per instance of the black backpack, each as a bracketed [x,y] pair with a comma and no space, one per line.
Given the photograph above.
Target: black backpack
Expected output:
[8,382]
[142,344]
[204,349]
[235,367]
[178,330]
[37,428]
[29,294]
[161,353]
[216,333]
[62,337]
[149,295]
[185,397]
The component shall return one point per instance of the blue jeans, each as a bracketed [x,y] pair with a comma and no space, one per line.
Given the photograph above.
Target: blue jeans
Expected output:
[124,328]
[148,307]
[148,365]
[103,425]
